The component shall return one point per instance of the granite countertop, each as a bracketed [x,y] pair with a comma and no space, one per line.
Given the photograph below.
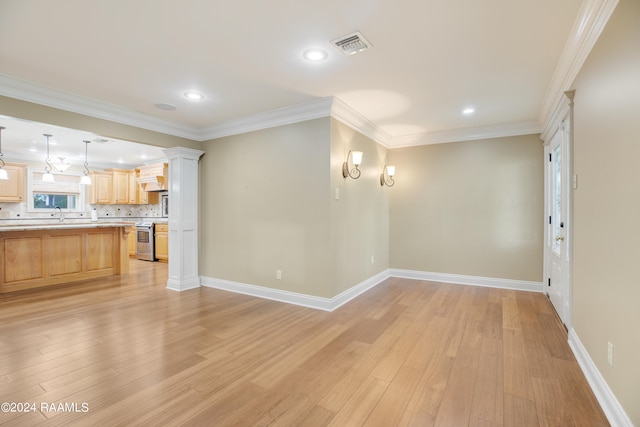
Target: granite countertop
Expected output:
[62,225]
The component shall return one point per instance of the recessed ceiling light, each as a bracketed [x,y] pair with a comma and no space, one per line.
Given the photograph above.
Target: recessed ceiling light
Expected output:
[468,111]
[315,55]
[195,96]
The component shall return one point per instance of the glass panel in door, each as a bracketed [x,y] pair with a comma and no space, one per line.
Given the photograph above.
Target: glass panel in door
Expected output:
[556,201]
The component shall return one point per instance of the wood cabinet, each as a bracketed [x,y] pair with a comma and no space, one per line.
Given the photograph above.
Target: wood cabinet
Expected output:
[133,187]
[146,197]
[120,186]
[162,242]
[132,241]
[33,258]
[142,197]
[101,188]
[12,189]
[154,177]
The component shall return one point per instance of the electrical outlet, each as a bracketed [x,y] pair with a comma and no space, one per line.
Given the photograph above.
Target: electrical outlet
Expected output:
[372,259]
[610,354]
[279,274]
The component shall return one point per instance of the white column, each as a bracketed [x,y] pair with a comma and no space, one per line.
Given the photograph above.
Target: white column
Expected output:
[183,218]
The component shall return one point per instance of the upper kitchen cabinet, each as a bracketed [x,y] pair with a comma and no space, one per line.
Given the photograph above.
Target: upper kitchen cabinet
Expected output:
[101,188]
[133,187]
[129,187]
[12,189]
[120,186]
[137,194]
[154,177]
[146,197]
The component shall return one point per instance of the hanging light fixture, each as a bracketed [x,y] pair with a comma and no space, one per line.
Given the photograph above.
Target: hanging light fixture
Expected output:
[47,176]
[61,166]
[3,171]
[86,179]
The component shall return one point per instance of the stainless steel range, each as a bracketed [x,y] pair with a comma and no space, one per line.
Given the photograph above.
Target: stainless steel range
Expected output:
[144,241]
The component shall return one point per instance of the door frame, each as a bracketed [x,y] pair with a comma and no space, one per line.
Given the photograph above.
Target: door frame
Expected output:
[564,125]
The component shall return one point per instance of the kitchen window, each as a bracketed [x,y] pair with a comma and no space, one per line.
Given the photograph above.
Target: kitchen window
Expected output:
[65,193]
[52,201]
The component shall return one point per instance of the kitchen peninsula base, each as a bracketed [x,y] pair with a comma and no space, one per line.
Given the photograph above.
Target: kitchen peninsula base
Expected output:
[36,257]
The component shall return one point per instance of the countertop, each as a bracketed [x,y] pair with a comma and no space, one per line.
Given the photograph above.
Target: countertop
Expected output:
[64,225]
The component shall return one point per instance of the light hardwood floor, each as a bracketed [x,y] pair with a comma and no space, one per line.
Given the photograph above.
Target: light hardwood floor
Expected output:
[405,353]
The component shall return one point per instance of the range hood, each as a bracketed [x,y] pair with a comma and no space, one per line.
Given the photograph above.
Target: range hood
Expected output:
[152,183]
[154,177]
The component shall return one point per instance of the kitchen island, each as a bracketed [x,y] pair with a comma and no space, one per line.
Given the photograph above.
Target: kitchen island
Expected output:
[40,255]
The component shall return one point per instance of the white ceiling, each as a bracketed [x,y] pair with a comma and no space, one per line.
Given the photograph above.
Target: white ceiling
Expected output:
[430,59]
[25,141]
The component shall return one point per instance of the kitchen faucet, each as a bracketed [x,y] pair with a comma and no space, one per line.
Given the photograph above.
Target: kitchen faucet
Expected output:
[61,214]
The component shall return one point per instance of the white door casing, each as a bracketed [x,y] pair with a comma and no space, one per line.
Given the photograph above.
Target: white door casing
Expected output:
[558,187]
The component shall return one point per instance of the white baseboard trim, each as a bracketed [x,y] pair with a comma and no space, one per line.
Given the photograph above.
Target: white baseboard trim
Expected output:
[359,289]
[610,405]
[183,285]
[310,301]
[519,285]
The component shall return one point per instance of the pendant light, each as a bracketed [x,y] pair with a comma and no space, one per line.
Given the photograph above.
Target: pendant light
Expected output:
[47,176]
[3,171]
[86,179]
[61,166]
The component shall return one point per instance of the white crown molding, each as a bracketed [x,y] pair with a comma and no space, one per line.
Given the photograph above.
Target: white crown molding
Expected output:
[467,134]
[182,152]
[268,119]
[610,405]
[31,92]
[324,107]
[591,20]
[491,282]
[310,301]
[554,122]
[350,117]
[330,106]
[334,107]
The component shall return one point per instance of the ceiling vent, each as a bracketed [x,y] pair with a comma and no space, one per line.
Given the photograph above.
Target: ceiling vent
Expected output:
[351,44]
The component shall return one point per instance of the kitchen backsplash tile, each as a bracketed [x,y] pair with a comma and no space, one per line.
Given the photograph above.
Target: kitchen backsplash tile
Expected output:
[11,211]
[124,211]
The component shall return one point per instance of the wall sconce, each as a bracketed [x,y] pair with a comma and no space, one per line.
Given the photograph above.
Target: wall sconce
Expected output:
[356,159]
[3,171]
[386,177]
[47,176]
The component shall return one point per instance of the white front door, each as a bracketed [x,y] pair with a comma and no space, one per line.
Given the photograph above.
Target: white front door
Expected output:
[557,248]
